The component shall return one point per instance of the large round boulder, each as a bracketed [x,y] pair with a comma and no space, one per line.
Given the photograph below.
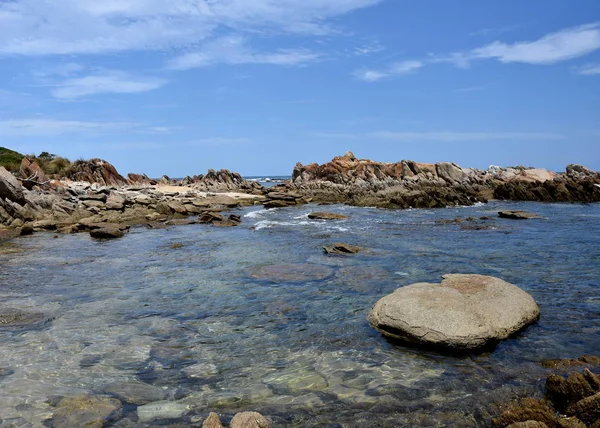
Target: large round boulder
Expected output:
[463,312]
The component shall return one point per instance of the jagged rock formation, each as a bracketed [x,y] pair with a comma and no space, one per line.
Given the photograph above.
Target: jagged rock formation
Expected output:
[97,171]
[223,181]
[74,206]
[405,184]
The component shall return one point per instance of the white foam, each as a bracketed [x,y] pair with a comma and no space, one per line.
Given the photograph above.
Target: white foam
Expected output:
[255,214]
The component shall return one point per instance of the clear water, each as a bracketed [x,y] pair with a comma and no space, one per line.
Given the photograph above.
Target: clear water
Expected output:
[195,321]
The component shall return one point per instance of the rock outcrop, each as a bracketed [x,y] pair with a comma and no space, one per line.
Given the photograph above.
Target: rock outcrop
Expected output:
[571,401]
[97,171]
[222,181]
[464,312]
[407,184]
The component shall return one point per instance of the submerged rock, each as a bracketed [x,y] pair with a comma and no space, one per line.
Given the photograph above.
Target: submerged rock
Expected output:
[464,312]
[16,318]
[292,272]
[517,215]
[136,392]
[162,410]
[86,411]
[326,216]
[340,248]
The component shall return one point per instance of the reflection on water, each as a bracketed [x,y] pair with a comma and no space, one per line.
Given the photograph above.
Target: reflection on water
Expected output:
[196,323]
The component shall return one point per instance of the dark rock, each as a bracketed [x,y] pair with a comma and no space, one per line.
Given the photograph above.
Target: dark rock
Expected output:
[464,312]
[587,409]
[341,248]
[528,409]
[517,215]
[571,362]
[210,218]
[26,229]
[326,216]
[107,233]
[564,392]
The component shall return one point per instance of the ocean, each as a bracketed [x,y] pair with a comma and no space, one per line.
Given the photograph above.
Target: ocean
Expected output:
[258,318]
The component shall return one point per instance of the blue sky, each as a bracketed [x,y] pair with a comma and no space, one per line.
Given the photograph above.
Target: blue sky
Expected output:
[179,86]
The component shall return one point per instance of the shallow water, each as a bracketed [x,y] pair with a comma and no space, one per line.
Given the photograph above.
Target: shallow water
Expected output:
[209,323]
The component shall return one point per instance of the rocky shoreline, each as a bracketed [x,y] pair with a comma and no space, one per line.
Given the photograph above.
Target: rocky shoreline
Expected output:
[94,193]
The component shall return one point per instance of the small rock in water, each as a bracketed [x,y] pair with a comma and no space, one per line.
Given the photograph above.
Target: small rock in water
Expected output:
[326,216]
[517,215]
[106,233]
[249,420]
[341,248]
[464,312]
[212,421]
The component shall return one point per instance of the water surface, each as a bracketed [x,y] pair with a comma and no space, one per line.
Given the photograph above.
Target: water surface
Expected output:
[200,321]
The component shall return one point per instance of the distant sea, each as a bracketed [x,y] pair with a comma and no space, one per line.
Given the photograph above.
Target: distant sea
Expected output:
[269,180]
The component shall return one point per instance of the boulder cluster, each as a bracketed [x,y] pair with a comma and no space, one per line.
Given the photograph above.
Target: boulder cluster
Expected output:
[571,401]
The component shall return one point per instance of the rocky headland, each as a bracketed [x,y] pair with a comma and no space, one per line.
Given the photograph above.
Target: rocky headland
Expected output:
[408,184]
[93,196]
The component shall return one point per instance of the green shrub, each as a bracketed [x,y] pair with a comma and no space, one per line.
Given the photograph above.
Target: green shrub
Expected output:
[10,159]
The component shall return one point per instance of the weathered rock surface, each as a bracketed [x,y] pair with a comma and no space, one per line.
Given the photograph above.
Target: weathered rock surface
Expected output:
[249,420]
[222,181]
[322,215]
[278,199]
[10,188]
[464,312]
[97,171]
[517,215]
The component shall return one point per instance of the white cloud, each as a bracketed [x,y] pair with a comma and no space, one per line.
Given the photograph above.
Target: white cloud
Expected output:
[552,48]
[37,127]
[105,81]
[589,69]
[395,69]
[32,27]
[441,136]
[234,50]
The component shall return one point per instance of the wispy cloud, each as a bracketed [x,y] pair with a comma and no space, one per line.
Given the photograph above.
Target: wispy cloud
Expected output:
[395,69]
[105,81]
[51,127]
[440,136]
[235,50]
[552,48]
[589,69]
[48,127]
[31,27]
